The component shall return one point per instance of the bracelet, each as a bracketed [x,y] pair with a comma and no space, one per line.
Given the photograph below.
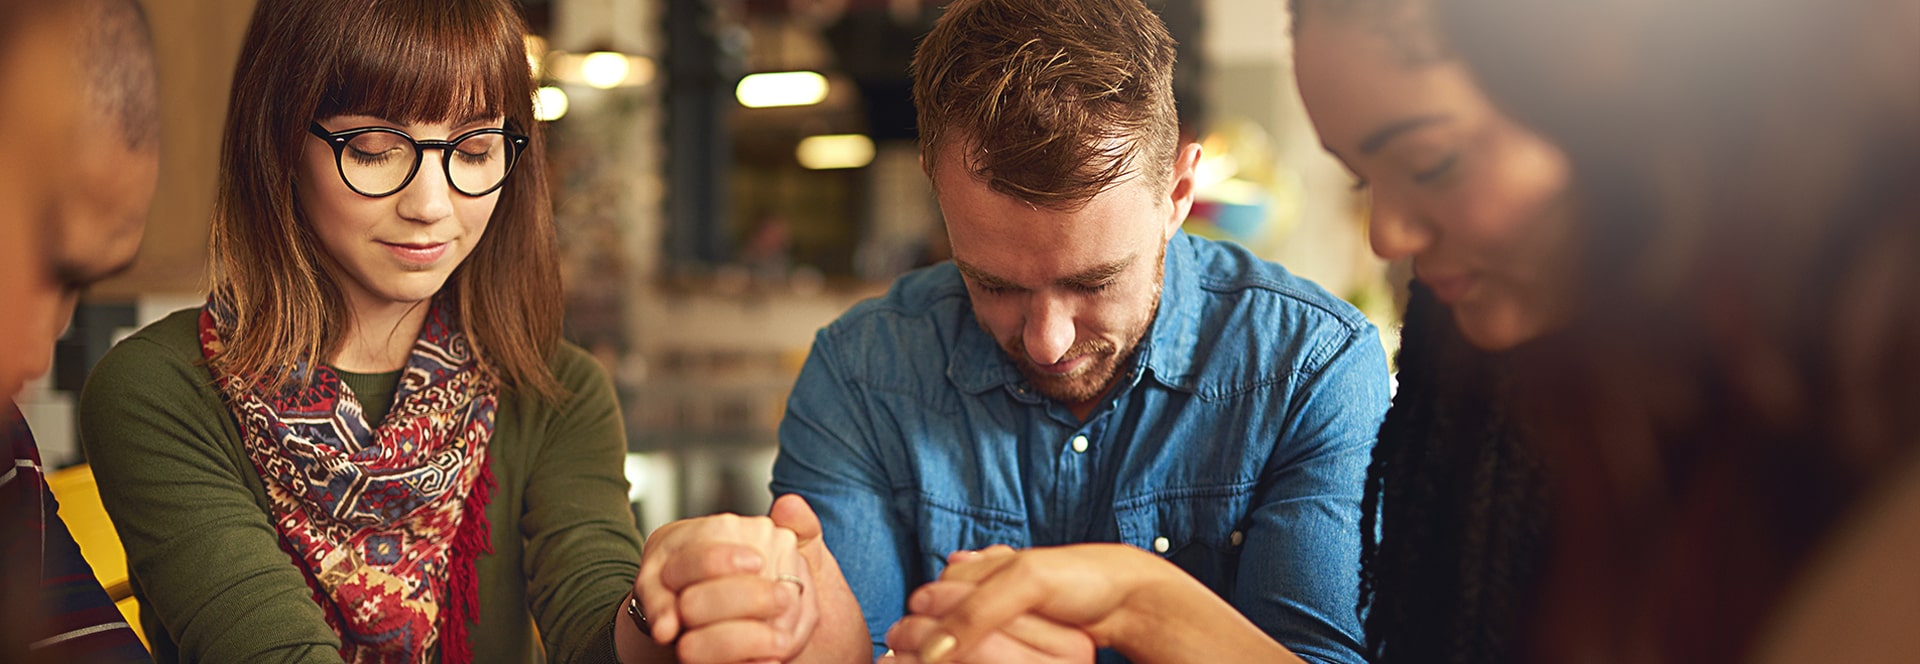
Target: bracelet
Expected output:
[639,617]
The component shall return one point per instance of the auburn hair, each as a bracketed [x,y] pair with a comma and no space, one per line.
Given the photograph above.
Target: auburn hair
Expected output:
[407,61]
[1052,101]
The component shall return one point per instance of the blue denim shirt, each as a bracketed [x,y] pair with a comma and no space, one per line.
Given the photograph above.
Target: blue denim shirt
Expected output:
[1235,446]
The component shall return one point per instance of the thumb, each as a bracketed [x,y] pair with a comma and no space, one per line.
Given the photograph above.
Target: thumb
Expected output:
[793,513]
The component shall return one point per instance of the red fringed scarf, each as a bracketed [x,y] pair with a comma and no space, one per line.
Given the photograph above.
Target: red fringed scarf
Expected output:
[386,521]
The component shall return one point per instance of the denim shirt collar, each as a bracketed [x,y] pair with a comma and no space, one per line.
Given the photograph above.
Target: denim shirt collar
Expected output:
[978,364]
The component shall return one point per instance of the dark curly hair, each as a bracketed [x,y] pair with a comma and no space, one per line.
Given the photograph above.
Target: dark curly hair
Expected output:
[1455,512]
[1454,520]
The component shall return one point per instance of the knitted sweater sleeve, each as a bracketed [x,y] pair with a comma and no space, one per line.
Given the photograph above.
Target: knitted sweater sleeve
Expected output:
[207,567]
[582,550]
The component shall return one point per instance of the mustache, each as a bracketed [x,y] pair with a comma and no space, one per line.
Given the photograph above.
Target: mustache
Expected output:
[1017,347]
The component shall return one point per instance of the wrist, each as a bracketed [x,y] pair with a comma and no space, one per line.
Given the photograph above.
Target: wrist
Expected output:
[1150,605]
[636,615]
[633,637]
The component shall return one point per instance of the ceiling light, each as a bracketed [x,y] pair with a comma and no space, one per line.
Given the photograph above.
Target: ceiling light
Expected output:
[835,151]
[604,69]
[549,104]
[785,88]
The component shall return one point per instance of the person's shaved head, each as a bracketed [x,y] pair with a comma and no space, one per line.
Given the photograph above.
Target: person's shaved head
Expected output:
[117,69]
[79,111]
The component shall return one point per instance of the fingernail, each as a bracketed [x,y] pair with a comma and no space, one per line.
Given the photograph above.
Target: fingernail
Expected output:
[938,648]
[786,596]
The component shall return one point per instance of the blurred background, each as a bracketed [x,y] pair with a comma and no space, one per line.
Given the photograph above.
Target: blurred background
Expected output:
[728,177]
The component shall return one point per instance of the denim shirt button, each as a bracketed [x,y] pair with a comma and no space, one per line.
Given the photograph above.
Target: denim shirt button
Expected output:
[1237,537]
[1080,443]
[1161,544]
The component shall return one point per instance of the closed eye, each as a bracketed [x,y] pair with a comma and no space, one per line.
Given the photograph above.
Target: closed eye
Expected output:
[372,158]
[1438,171]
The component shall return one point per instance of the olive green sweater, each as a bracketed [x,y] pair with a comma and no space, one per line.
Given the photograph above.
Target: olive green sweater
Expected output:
[207,567]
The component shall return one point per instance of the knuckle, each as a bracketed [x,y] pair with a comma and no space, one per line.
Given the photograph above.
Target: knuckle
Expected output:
[717,561]
[695,606]
[755,600]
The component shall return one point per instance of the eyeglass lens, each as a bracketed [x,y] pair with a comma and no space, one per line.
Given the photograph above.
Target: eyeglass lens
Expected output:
[379,162]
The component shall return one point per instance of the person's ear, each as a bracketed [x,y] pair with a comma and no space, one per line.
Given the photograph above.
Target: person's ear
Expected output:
[1181,190]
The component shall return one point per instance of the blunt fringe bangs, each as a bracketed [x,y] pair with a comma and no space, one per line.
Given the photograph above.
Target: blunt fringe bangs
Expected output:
[414,61]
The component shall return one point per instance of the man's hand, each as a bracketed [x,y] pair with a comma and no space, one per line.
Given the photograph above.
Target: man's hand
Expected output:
[840,634]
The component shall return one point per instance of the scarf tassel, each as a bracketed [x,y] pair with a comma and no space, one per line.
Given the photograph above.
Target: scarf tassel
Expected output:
[463,589]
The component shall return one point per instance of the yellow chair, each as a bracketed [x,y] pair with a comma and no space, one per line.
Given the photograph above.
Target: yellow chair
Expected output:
[86,518]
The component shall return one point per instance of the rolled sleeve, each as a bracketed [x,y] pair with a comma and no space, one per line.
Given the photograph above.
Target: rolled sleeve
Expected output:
[828,456]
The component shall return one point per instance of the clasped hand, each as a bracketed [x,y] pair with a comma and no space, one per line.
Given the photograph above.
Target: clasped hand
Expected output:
[730,588]
[998,605]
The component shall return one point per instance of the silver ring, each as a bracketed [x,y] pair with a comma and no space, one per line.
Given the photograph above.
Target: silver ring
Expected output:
[789,578]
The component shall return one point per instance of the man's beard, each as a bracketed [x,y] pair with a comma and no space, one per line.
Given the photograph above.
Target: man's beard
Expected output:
[1094,379]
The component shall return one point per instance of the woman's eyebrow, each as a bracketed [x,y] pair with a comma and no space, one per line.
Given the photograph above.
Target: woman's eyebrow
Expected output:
[1380,138]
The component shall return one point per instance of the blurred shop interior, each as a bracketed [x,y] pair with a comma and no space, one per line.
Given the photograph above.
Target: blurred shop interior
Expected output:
[728,177]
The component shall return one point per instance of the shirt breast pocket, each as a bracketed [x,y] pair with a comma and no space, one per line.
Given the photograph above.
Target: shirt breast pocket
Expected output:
[944,529]
[1199,530]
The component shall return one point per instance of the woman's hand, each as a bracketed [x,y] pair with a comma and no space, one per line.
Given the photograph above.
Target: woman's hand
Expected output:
[996,602]
[727,588]
[1024,639]
[1119,596]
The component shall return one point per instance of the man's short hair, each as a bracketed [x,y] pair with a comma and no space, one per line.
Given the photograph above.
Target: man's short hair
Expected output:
[117,63]
[1052,101]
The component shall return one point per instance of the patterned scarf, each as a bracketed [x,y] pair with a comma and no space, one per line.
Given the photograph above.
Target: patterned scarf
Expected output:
[386,521]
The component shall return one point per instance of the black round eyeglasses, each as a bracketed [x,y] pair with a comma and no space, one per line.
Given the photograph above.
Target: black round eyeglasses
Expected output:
[381,161]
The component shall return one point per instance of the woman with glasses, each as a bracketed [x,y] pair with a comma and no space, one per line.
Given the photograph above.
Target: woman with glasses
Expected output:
[371,443]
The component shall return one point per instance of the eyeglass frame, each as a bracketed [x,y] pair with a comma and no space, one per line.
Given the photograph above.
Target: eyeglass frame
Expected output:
[517,143]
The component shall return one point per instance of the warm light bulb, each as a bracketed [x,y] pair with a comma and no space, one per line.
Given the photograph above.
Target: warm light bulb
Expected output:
[835,151]
[604,69]
[549,104]
[785,88]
